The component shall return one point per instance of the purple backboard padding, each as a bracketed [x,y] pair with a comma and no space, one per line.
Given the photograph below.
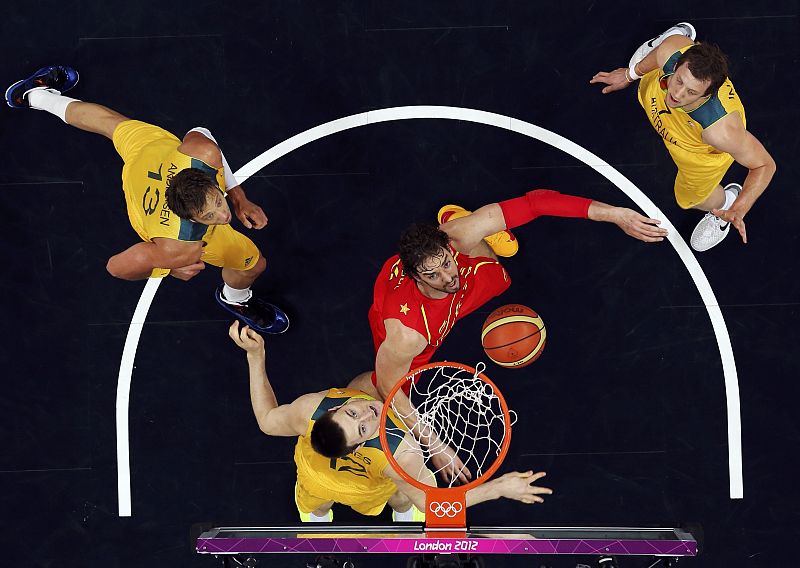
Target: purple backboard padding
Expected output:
[445,545]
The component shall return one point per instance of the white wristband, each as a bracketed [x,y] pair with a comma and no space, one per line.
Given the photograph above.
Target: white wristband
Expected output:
[632,73]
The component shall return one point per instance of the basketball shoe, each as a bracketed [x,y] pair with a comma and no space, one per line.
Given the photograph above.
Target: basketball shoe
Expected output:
[503,243]
[57,77]
[257,313]
[710,231]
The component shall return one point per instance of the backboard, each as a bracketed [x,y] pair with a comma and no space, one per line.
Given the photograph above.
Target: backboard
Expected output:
[410,538]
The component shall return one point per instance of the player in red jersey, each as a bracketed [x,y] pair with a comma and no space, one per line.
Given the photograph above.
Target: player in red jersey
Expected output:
[442,274]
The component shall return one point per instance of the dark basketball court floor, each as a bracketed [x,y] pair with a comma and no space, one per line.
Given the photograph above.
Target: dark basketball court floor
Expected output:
[626,409]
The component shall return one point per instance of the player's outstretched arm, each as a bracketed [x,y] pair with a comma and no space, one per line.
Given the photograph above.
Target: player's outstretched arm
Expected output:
[137,262]
[199,143]
[514,485]
[466,232]
[392,362]
[729,135]
[273,419]
[632,223]
[645,59]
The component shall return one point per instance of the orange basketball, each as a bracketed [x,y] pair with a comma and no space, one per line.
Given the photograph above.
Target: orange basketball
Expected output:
[513,336]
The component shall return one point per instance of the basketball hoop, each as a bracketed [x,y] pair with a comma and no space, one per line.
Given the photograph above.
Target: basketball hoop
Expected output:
[464,412]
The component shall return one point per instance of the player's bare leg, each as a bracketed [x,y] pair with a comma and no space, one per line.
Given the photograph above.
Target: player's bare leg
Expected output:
[242,279]
[94,118]
[399,502]
[403,510]
[323,509]
[714,201]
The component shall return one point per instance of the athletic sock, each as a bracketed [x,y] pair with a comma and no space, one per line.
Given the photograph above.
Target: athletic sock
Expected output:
[51,101]
[315,519]
[236,295]
[730,197]
[405,516]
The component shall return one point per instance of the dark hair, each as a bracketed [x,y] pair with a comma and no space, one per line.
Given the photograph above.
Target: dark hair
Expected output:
[328,438]
[707,63]
[418,243]
[187,192]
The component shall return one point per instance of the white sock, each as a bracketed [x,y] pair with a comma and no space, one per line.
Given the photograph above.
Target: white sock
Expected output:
[51,101]
[316,519]
[730,197]
[236,295]
[405,516]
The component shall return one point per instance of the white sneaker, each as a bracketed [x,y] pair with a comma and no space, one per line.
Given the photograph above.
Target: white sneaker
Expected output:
[683,28]
[710,231]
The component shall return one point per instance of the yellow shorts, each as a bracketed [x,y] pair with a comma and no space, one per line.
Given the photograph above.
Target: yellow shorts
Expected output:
[226,247]
[307,502]
[223,245]
[698,175]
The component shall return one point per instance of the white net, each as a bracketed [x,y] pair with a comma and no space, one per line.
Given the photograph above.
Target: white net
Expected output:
[457,418]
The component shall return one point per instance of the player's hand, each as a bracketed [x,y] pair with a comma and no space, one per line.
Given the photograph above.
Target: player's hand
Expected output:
[449,465]
[638,226]
[616,80]
[520,486]
[250,214]
[187,272]
[735,218]
[246,338]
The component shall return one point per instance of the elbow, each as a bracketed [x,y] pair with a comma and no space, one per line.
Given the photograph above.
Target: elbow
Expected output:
[115,268]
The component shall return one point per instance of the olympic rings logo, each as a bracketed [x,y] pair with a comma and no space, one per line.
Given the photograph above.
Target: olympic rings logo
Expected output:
[445,508]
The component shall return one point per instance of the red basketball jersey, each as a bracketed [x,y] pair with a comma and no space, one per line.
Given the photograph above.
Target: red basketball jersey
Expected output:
[396,296]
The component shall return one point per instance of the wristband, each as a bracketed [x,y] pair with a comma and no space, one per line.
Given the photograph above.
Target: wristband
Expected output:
[632,73]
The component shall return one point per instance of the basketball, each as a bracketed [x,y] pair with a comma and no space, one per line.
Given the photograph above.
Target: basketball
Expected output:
[513,336]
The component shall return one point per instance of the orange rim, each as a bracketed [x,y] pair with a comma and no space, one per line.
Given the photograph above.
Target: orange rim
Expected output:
[459,488]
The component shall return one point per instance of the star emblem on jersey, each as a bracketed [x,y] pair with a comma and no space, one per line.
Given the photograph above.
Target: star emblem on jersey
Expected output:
[404,309]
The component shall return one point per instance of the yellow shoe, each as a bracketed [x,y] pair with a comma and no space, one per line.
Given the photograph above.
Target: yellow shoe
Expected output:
[503,243]
[417,516]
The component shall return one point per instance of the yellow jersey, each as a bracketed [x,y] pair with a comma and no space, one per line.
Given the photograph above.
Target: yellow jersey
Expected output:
[676,126]
[356,477]
[145,176]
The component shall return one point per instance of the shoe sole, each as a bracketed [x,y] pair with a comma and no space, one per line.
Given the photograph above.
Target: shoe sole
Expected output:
[39,72]
[228,307]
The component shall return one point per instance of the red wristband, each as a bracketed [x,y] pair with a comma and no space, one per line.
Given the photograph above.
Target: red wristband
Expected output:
[538,202]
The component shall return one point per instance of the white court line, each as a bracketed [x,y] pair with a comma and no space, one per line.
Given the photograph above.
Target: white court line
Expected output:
[514,125]
[124,391]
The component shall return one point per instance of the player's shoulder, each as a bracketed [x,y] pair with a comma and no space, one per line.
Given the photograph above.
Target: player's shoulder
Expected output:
[305,405]
[196,145]
[671,50]
[405,336]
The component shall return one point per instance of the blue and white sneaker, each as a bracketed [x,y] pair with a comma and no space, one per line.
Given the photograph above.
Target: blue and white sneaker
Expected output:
[57,77]
[259,314]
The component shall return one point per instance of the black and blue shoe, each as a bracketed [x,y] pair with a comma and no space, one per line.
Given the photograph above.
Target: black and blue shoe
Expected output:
[259,314]
[58,77]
